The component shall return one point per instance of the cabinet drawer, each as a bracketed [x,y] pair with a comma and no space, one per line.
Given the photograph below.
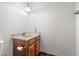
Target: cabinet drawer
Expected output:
[31,41]
[19,42]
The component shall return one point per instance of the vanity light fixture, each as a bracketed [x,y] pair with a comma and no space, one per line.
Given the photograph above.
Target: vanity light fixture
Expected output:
[27,8]
[77,12]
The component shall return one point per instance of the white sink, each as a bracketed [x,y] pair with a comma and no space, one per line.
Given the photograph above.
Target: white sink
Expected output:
[1,46]
[28,35]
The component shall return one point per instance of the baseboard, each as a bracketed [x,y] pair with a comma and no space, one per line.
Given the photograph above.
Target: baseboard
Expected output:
[47,53]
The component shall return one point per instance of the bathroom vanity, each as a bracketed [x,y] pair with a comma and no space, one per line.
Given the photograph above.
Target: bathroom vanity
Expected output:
[26,45]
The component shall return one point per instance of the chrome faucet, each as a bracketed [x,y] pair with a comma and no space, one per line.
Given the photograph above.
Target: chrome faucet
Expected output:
[35,29]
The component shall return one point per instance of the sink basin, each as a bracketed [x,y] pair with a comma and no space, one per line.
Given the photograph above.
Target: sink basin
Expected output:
[27,34]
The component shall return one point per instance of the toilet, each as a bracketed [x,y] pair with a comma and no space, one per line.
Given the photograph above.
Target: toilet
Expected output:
[1,47]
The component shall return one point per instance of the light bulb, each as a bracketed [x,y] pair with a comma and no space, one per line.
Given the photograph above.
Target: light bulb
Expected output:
[28,9]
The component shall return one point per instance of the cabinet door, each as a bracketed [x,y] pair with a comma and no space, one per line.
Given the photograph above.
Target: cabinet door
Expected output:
[32,49]
[17,43]
[37,47]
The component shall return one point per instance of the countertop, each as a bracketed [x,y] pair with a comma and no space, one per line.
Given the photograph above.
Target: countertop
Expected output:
[24,36]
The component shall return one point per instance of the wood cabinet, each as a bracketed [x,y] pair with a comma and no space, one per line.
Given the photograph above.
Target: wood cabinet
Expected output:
[37,45]
[30,47]
[32,50]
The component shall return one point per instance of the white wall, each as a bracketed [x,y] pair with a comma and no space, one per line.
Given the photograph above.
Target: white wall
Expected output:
[77,30]
[13,19]
[56,23]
